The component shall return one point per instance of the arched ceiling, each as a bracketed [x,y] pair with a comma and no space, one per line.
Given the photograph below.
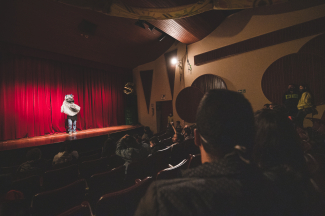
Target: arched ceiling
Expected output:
[51,26]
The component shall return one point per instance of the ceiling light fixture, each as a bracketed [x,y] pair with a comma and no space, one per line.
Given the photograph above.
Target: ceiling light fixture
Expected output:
[177,62]
[174,61]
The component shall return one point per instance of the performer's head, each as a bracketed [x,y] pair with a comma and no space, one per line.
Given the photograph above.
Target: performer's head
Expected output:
[69,98]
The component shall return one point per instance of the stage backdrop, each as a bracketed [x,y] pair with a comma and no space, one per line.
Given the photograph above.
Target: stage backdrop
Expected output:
[32,91]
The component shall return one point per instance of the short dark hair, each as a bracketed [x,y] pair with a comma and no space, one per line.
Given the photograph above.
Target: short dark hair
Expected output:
[154,140]
[225,119]
[130,142]
[34,154]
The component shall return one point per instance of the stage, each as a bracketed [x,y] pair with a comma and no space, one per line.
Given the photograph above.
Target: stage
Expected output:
[61,137]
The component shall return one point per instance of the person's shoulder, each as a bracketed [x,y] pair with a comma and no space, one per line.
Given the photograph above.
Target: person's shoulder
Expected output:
[181,187]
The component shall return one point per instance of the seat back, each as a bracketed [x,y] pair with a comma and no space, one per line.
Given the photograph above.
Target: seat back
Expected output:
[89,157]
[161,159]
[115,161]
[6,180]
[190,147]
[122,202]
[28,186]
[195,160]
[178,153]
[83,209]
[9,170]
[60,177]
[173,172]
[106,182]
[92,152]
[140,170]
[56,201]
[167,142]
[89,168]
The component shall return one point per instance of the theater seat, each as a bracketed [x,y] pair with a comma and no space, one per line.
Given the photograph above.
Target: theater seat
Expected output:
[195,160]
[89,157]
[29,186]
[81,210]
[89,168]
[161,159]
[190,147]
[92,152]
[173,172]
[106,182]
[140,170]
[9,170]
[60,177]
[115,161]
[178,153]
[56,201]
[122,202]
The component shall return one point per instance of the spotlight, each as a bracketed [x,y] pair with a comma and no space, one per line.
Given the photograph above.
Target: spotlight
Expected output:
[174,61]
[162,37]
[140,23]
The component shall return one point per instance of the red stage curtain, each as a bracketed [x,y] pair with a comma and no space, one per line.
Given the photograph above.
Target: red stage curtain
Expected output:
[33,89]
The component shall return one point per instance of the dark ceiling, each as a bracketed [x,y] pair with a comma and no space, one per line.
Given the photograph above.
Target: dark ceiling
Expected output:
[51,26]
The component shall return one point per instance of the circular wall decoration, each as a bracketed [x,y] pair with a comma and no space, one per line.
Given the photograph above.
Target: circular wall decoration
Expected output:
[315,46]
[187,102]
[207,82]
[298,68]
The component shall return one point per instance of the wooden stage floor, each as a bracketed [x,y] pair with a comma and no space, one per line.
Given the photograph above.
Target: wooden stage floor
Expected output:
[61,137]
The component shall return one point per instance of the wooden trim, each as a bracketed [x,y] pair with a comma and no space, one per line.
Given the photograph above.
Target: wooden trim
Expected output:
[302,30]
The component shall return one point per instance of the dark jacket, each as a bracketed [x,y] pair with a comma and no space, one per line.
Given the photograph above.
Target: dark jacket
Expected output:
[290,100]
[226,187]
[32,167]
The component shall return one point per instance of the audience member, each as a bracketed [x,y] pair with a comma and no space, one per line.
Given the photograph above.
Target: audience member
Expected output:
[34,164]
[225,183]
[305,105]
[178,127]
[177,138]
[109,146]
[137,138]
[170,130]
[147,133]
[66,154]
[155,145]
[187,133]
[272,106]
[130,150]
[290,100]
[266,106]
[279,154]
[170,118]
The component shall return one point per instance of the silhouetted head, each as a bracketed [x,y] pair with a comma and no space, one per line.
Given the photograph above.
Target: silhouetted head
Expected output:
[225,119]
[34,154]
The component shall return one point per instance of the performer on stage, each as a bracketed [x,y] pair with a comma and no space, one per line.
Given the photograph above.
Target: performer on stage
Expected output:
[71,109]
